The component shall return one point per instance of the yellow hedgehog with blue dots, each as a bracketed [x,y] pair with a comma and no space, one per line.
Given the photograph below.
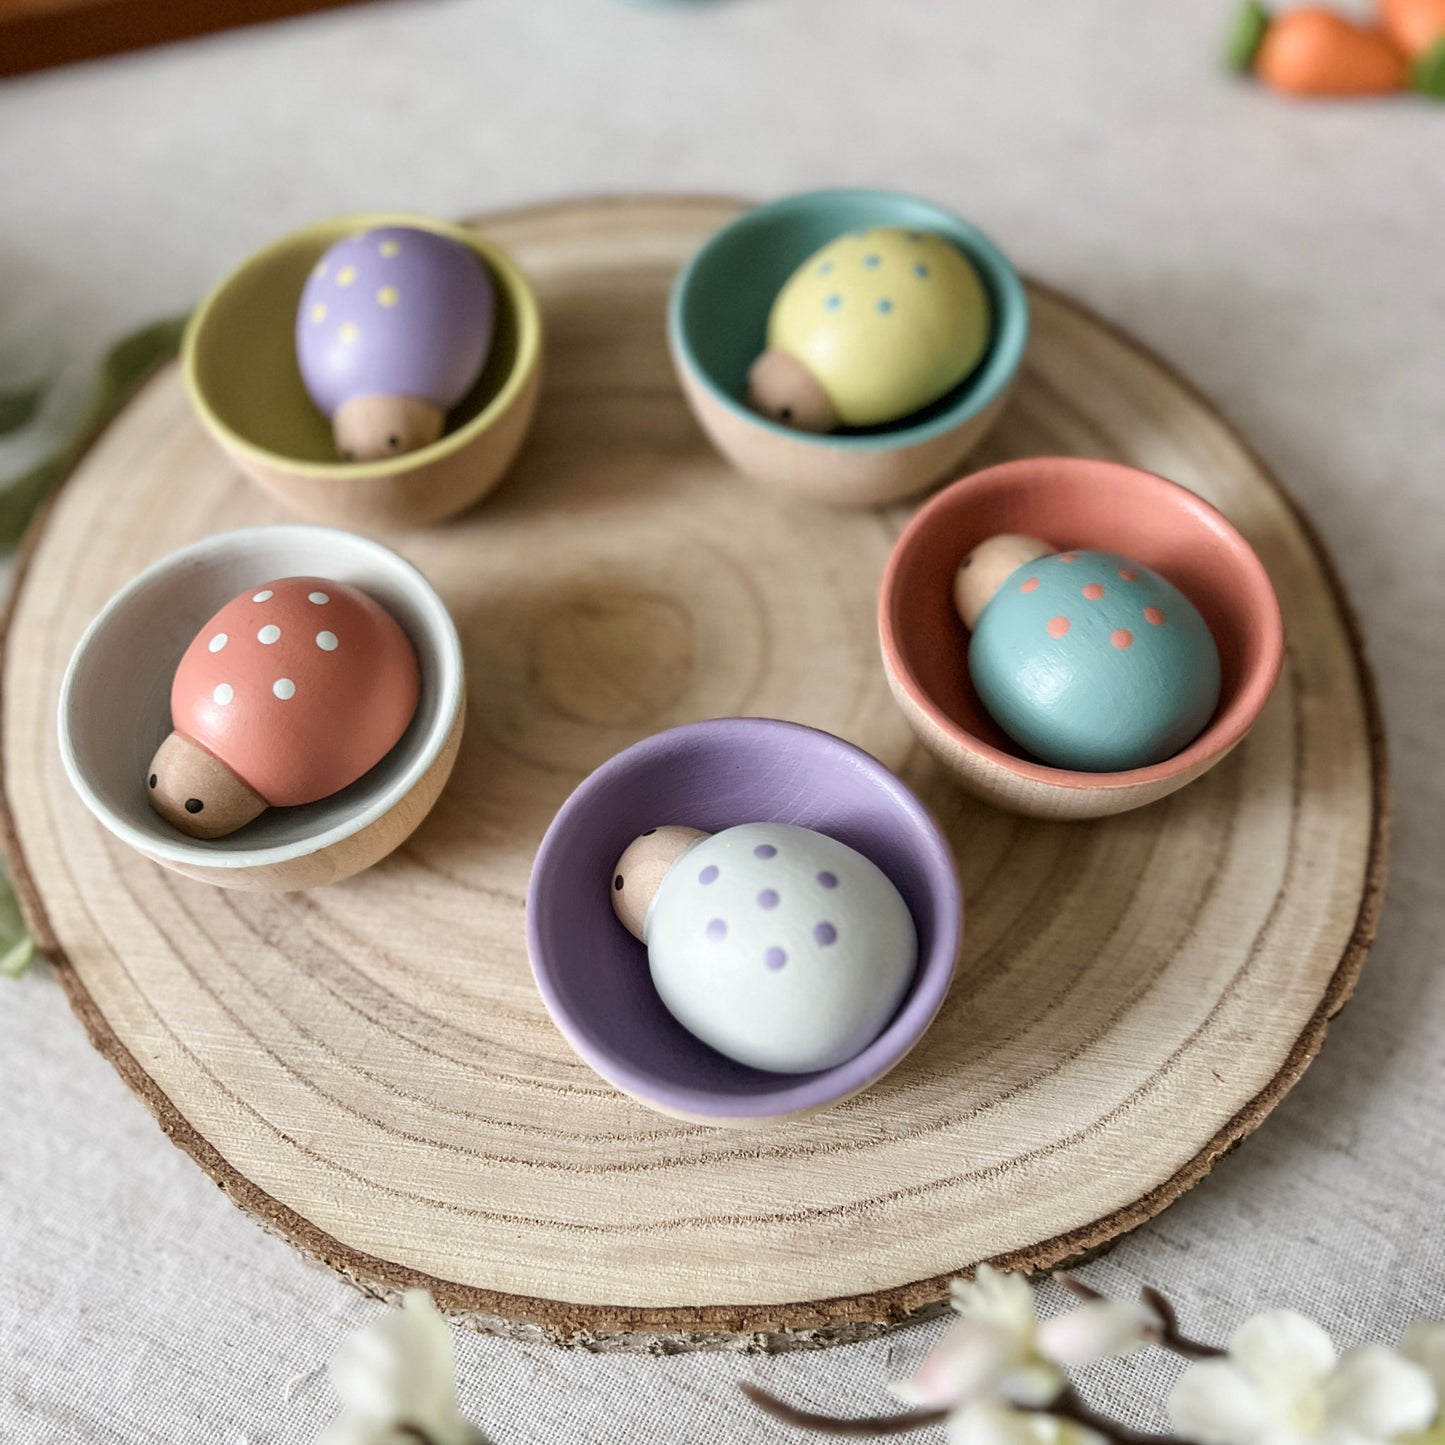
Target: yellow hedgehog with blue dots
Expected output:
[874,326]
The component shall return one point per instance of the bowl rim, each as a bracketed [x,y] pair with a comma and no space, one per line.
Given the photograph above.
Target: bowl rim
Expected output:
[795,1093]
[986,385]
[1225,729]
[441,633]
[510,279]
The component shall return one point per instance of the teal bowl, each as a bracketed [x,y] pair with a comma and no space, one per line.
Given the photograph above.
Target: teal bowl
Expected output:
[717,322]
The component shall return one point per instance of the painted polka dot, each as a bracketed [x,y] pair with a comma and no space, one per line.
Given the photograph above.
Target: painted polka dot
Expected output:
[765,850]
[768,898]
[828,880]
[833,302]
[1121,637]
[319,598]
[826,269]
[318,312]
[921,271]
[884,306]
[346,275]
[223,694]
[268,634]
[825,934]
[388,296]
[873,262]
[320,269]
[390,248]
[327,641]
[1093,591]
[717,930]
[263,596]
[1058,626]
[1128,574]
[1068,556]
[217,642]
[1029,584]
[284,688]
[349,332]
[775,958]
[708,875]
[1154,615]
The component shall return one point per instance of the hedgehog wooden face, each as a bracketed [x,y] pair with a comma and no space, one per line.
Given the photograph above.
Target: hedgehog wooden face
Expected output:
[291,692]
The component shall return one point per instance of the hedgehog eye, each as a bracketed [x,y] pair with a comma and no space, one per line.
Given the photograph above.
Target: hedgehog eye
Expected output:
[617,883]
[786,414]
[393,442]
[347,455]
[152,780]
[194,805]
[967,561]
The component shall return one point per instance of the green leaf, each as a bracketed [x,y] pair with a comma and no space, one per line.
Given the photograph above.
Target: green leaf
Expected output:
[1247,36]
[17,948]
[17,407]
[124,367]
[1427,74]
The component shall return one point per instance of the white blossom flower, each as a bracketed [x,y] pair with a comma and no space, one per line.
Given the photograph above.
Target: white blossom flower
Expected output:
[397,1382]
[987,1422]
[1282,1384]
[1000,1351]
[1423,1343]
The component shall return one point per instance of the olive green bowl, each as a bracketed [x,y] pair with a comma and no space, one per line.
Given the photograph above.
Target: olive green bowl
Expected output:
[240,369]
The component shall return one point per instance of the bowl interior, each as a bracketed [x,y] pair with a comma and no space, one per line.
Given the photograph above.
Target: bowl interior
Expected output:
[720,303]
[1081,504]
[594,975]
[241,351]
[115,702]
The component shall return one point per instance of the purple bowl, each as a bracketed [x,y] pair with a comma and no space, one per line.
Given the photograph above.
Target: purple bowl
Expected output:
[593,975]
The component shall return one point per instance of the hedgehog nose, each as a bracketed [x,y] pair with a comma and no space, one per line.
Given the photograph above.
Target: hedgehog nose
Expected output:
[194,805]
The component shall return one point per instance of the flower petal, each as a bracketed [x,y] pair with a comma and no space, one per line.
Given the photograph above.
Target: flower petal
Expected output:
[1376,1394]
[968,1361]
[1005,1299]
[1424,1343]
[987,1423]
[1215,1403]
[401,1368]
[1283,1353]
[1095,1331]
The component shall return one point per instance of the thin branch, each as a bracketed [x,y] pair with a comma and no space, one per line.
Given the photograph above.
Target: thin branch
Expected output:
[1076,1286]
[839,1425]
[1169,1335]
[1070,1406]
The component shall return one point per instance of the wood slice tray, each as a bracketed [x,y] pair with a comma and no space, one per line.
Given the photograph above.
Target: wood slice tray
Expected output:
[367,1069]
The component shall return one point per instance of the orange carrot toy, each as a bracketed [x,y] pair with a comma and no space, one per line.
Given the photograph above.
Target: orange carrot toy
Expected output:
[1418,28]
[1314,51]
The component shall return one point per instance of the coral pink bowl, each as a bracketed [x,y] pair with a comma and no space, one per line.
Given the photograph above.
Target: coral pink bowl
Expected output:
[1082,504]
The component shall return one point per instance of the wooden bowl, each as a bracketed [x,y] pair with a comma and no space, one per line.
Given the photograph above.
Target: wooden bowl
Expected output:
[593,975]
[1082,504]
[717,322]
[115,710]
[239,363]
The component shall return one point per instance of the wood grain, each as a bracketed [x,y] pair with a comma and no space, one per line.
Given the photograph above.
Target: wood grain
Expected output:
[367,1068]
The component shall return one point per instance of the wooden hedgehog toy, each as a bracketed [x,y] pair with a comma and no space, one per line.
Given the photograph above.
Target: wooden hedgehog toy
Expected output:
[876,325]
[392,331]
[1089,660]
[781,947]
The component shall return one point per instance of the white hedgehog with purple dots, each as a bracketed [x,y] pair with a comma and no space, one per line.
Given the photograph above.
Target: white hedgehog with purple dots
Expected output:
[782,948]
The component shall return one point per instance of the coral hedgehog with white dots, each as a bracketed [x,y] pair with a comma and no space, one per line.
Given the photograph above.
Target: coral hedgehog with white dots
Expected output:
[392,331]
[1089,660]
[288,694]
[874,326]
[782,948]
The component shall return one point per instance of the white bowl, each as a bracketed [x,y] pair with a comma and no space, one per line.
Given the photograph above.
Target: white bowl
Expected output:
[115,709]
